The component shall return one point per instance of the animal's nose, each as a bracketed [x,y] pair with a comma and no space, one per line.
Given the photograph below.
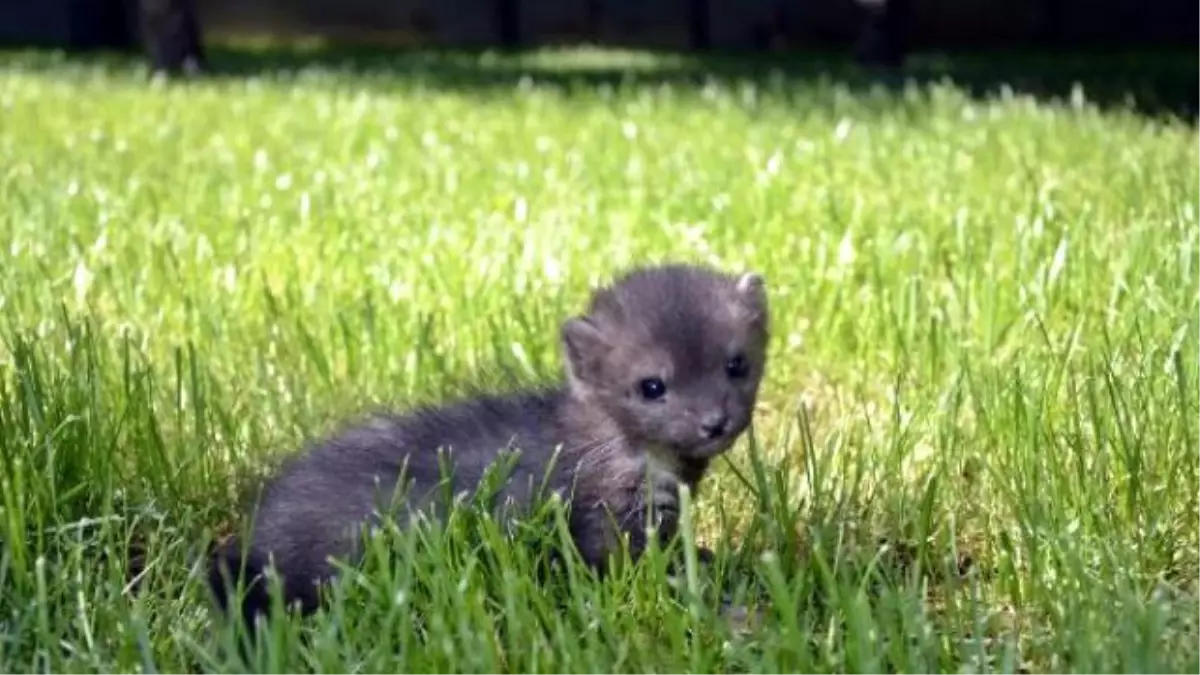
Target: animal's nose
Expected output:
[714,425]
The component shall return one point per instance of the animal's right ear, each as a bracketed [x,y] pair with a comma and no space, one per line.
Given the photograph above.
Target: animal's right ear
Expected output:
[584,347]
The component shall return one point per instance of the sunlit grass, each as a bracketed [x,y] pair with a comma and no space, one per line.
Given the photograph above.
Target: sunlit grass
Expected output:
[977,448]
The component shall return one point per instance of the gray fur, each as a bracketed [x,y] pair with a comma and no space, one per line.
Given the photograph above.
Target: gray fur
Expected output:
[678,322]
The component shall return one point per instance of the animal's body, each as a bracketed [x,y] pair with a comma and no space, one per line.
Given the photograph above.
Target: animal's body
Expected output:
[662,375]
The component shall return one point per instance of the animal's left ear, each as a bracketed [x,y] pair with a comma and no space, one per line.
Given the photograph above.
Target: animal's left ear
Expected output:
[751,291]
[584,345]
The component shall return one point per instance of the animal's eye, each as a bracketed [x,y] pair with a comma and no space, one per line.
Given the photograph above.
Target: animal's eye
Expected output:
[737,367]
[652,388]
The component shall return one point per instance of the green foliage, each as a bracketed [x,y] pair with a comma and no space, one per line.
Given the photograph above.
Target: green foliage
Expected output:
[977,448]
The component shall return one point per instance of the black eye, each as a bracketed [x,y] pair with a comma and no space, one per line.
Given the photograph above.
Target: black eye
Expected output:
[737,367]
[652,388]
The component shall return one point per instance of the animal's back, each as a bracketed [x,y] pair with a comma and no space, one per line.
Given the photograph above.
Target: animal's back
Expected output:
[474,431]
[312,510]
[355,469]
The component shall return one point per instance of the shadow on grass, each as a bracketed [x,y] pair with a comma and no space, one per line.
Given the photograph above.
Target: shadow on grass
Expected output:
[1158,83]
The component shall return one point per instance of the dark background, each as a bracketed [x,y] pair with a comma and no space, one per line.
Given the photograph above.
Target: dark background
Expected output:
[1120,51]
[674,24]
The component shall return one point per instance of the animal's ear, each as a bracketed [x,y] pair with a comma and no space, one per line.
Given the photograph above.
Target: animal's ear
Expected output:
[751,293]
[584,347]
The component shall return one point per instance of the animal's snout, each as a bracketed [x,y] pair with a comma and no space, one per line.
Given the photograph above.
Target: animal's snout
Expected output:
[714,425]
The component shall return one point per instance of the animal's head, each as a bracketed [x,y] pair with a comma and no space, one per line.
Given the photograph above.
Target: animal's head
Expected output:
[674,355]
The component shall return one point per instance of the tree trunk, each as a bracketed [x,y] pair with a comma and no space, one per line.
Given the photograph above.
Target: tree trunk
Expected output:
[884,40]
[171,35]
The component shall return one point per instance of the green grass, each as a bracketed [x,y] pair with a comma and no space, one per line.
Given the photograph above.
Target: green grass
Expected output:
[977,447]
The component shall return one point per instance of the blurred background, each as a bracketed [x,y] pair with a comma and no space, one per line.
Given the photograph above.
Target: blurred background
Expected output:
[173,34]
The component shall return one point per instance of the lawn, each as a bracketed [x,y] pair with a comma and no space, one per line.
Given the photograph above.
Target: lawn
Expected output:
[977,448]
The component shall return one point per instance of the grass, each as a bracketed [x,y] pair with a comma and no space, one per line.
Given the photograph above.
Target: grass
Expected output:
[977,446]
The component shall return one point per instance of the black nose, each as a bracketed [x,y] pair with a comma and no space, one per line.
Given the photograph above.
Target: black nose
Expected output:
[714,425]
